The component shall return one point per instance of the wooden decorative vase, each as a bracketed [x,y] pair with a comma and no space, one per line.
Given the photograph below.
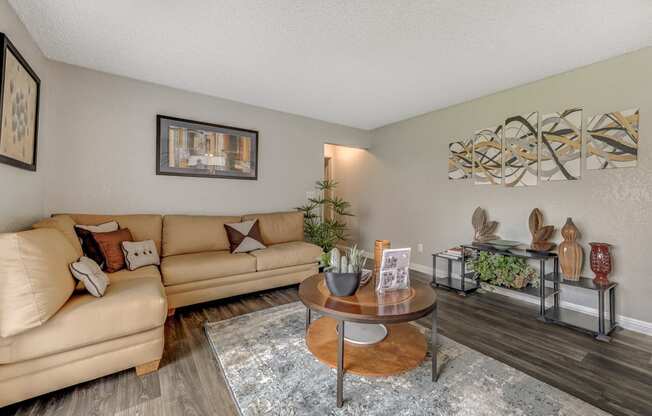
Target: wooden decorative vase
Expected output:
[601,262]
[379,246]
[570,252]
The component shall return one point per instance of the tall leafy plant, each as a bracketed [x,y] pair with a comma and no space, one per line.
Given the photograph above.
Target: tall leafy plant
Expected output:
[320,228]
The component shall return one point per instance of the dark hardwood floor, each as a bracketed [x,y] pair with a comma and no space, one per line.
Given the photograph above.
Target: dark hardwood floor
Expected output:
[616,377]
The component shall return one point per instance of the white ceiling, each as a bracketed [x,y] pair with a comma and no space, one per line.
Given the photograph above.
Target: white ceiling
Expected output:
[362,63]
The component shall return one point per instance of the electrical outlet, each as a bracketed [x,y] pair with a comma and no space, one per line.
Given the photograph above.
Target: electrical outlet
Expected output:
[420,248]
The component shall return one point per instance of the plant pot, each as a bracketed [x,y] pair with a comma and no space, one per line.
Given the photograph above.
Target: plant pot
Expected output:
[342,284]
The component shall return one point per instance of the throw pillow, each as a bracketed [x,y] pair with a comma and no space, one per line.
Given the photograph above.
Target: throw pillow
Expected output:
[111,247]
[90,274]
[89,245]
[244,236]
[140,254]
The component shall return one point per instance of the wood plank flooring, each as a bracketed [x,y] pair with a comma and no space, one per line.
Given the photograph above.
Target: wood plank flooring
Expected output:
[616,377]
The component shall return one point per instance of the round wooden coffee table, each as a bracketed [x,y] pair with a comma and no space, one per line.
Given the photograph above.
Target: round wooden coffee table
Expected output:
[404,347]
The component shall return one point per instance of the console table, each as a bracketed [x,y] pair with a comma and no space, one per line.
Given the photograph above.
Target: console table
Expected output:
[599,327]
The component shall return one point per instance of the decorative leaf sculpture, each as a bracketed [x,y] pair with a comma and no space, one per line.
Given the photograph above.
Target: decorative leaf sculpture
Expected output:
[484,230]
[540,233]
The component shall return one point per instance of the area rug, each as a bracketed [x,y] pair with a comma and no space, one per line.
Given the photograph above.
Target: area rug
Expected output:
[271,372]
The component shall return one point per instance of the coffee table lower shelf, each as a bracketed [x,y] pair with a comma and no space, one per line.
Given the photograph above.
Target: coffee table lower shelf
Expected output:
[403,349]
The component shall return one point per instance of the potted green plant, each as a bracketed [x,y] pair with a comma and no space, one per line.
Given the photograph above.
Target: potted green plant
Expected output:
[322,217]
[506,271]
[343,273]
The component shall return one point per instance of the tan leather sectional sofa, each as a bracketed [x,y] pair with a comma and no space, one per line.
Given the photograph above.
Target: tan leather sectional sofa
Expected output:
[77,337]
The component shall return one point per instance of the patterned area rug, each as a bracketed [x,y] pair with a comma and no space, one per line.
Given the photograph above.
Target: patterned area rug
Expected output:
[271,372]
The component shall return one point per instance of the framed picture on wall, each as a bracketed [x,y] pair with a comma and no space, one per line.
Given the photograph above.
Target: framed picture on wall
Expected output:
[194,148]
[19,102]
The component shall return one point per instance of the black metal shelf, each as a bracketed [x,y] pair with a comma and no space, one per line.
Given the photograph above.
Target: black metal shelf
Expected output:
[599,326]
[583,283]
[581,321]
[528,290]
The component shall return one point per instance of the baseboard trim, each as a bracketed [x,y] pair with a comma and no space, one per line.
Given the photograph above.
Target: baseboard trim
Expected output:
[625,322]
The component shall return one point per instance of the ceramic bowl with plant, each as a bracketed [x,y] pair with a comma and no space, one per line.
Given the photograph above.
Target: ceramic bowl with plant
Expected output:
[343,273]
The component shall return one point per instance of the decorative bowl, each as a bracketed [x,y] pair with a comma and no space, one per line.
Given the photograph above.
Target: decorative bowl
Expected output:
[342,284]
[503,244]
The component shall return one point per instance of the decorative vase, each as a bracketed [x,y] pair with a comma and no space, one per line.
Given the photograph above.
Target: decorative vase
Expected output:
[379,246]
[600,262]
[342,284]
[570,252]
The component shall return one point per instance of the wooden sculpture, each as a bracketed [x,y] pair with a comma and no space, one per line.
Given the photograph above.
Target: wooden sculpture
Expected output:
[540,233]
[570,252]
[484,230]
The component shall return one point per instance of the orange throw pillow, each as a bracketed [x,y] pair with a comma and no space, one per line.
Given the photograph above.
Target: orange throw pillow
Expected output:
[111,247]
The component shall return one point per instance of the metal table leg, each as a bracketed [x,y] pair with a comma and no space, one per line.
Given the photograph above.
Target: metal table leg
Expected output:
[601,313]
[612,307]
[433,342]
[340,363]
[556,283]
[308,318]
[542,289]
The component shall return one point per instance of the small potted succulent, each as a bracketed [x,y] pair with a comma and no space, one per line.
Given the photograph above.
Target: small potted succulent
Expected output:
[343,273]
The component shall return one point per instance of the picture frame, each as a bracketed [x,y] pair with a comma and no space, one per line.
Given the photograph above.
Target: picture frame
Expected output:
[20,91]
[394,270]
[198,149]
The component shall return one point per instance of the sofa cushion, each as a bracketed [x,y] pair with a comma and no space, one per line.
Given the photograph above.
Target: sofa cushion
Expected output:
[143,272]
[128,307]
[279,227]
[111,247]
[184,234]
[34,278]
[186,268]
[88,244]
[66,225]
[142,226]
[286,254]
[90,275]
[244,236]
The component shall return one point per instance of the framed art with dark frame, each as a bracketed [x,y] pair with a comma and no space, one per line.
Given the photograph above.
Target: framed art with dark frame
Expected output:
[19,105]
[194,148]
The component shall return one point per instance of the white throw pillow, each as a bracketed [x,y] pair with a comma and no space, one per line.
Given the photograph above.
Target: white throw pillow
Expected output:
[140,254]
[107,227]
[89,273]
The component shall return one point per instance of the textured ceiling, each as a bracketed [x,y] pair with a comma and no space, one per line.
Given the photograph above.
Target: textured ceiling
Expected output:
[362,63]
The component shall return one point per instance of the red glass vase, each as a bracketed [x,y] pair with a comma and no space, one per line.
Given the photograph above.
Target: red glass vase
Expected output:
[601,262]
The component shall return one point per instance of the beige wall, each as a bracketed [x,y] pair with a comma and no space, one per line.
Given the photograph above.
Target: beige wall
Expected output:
[106,149]
[21,191]
[409,199]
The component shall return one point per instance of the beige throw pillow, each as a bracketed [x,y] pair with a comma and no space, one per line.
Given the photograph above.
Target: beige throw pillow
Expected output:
[89,273]
[34,278]
[140,254]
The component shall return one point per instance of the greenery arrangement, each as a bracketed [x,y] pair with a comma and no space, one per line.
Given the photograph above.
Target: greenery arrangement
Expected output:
[321,228]
[507,271]
[350,263]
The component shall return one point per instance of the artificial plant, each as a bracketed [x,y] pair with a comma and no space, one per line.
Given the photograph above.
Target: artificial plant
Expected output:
[320,228]
[504,271]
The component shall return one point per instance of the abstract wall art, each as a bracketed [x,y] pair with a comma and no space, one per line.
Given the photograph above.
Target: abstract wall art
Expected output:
[612,140]
[460,159]
[19,105]
[561,145]
[520,150]
[487,156]
[193,148]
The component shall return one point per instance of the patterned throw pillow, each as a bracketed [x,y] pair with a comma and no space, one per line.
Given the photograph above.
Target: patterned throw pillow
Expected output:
[140,254]
[88,243]
[111,247]
[90,274]
[244,236]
